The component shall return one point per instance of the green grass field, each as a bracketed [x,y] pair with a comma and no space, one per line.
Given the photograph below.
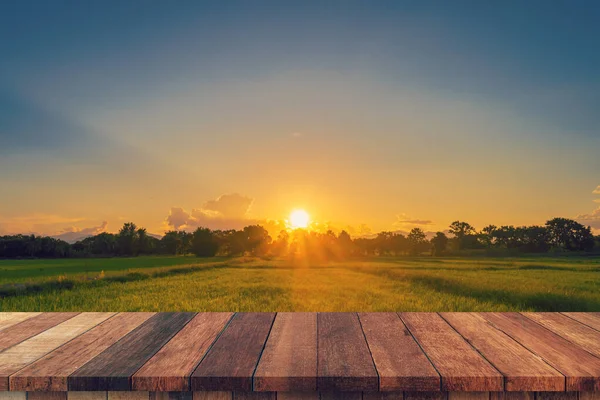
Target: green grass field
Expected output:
[251,284]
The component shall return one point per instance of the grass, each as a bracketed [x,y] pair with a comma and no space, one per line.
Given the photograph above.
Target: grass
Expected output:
[250,284]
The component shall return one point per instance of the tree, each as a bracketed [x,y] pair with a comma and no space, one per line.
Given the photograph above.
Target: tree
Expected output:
[127,239]
[417,240]
[487,235]
[256,239]
[462,231]
[438,244]
[204,243]
[143,241]
[569,235]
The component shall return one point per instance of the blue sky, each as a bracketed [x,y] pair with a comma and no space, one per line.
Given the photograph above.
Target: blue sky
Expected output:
[360,112]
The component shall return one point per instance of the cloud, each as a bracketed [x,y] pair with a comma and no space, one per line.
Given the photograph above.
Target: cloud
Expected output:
[228,211]
[229,205]
[592,219]
[597,190]
[37,223]
[72,234]
[403,219]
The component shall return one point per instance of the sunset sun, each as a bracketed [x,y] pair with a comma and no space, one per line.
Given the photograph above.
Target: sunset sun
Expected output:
[299,219]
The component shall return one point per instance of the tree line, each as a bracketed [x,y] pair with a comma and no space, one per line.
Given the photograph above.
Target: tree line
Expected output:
[557,235]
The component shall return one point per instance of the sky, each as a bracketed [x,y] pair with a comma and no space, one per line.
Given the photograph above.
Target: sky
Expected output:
[370,115]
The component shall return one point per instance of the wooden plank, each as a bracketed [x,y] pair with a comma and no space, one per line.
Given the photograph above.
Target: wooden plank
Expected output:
[13,396]
[254,395]
[231,362]
[171,395]
[556,396]
[344,360]
[50,372]
[47,396]
[383,396]
[522,370]
[400,362]
[12,318]
[30,327]
[110,370]
[591,319]
[298,396]
[213,396]
[341,396]
[171,367]
[289,361]
[86,396]
[425,395]
[127,396]
[589,395]
[512,395]
[24,353]
[460,366]
[468,395]
[573,331]
[581,369]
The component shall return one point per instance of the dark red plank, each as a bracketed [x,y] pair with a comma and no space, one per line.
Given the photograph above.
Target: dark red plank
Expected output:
[230,363]
[344,360]
[461,367]
[400,362]
[289,361]
[112,369]
[171,367]
[523,370]
[581,369]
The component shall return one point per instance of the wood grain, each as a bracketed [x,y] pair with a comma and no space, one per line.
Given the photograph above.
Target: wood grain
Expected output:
[344,360]
[50,372]
[171,395]
[591,319]
[522,369]
[231,362]
[297,395]
[341,396]
[383,396]
[212,396]
[512,395]
[12,318]
[13,395]
[47,396]
[30,327]
[468,396]
[573,331]
[556,396]
[581,369]
[86,396]
[171,367]
[425,395]
[289,360]
[30,350]
[127,396]
[111,370]
[460,366]
[589,395]
[400,362]
[254,395]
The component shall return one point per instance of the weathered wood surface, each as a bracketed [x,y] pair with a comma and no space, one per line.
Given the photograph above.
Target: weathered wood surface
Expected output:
[112,369]
[289,361]
[581,369]
[461,367]
[344,359]
[414,356]
[529,373]
[233,358]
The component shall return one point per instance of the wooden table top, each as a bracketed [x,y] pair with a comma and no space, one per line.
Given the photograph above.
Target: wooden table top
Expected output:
[300,351]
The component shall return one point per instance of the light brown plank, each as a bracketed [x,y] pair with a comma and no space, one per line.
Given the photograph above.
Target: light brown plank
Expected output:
[30,327]
[400,362]
[47,396]
[12,318]
[582,370]
[591,319]
[24,353]
[86,395]
[50,372]
[572,330]
[522,370]
[213,396]
[344,360]
[13,396]
[171,367]
[114,395]
[289,360]
[461,367]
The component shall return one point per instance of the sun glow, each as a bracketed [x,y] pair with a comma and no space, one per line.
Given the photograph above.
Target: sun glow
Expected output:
[299,219]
